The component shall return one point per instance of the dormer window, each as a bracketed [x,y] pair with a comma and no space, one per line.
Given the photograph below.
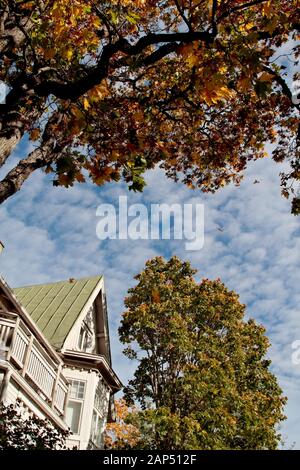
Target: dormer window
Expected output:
[86,340]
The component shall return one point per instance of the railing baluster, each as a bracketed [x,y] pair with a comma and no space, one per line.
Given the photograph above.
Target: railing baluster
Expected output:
[27,355]
[33,361]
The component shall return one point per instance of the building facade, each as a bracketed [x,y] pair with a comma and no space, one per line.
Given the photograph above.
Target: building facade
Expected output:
[55,356]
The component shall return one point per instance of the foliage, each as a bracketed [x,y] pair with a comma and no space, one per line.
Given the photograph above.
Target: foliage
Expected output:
[107,90]
[202,380]
[121,434]
[25,433]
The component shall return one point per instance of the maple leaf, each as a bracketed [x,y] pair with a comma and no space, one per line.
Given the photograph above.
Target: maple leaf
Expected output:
[86,104]
[35,134]
[155,296]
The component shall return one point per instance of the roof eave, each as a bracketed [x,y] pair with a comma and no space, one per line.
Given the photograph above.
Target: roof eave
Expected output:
[101,364]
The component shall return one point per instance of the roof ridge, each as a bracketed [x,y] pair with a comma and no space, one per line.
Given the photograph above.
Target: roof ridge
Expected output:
[59,282]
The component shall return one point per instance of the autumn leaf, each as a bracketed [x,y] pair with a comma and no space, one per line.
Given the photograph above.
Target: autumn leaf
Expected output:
[267,8]
[80,178]
[155,296]
[86,104]
[266,77]
[35,134]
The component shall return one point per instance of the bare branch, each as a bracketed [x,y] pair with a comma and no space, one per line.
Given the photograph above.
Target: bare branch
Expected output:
[285,88]
[240,8]
[181,12]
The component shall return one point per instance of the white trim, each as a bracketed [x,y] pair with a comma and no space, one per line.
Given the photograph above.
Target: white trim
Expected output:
[97,359]
[99,286]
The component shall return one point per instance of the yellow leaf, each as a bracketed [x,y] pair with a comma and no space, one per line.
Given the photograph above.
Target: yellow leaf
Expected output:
[68,54]
[192,60]
[86,104]
[247,26]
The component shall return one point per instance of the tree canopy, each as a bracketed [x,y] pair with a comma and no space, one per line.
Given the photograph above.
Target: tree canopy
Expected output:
[108,89]
[19,432]
[202,379]
[120,434]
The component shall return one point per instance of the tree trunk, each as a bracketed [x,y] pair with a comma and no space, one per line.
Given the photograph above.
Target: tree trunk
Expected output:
[48,152]
[15,178]
[13,126]
[11,34]
[11,39]
[7,145]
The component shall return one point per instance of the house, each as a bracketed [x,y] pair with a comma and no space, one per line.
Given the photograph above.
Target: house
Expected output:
[55,355]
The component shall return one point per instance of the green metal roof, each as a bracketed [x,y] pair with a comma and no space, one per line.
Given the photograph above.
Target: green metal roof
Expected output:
[55,307]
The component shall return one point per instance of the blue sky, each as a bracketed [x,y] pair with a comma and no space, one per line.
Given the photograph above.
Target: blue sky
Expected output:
[50,234]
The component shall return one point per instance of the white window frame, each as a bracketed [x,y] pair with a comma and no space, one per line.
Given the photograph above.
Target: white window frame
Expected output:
[99,435]
[80,382]
[77,400]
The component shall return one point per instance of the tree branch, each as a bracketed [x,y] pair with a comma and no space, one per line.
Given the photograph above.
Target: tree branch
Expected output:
[48,152]
[74,90]
[14,180]
[285,89]
[181,12]
[240,8]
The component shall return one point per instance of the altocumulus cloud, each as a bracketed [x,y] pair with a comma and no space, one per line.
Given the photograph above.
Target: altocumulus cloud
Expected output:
[251,242]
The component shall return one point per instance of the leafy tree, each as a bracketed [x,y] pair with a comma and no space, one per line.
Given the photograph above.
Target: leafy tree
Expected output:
[108,89]
[202,380]
[121,434]
[20,433]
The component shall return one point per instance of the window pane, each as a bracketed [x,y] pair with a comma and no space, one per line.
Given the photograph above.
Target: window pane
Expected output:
[73,416]
[77,389]
[98,425]
[81,338]
[101,398]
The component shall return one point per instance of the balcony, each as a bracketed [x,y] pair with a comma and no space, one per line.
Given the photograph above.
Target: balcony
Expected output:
[42,372]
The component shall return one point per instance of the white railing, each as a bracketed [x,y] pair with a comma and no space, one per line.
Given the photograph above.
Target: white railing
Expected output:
[6,331]
[41,373]
[33,361]
[60,398]
[20,347]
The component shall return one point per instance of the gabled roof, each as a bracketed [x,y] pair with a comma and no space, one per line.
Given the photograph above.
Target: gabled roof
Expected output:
[55,307]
